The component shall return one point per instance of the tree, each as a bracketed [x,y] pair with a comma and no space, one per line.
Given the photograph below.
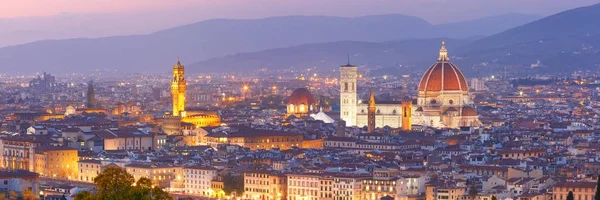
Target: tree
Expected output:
[12,195]
[113,183]
[494,198]
[598,189]
[473,191]
[28,195]
[570,196]
[84,195]
[233,184]
[116,184]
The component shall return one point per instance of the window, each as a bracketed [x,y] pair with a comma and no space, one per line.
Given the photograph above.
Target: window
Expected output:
[450,102]
[345,86]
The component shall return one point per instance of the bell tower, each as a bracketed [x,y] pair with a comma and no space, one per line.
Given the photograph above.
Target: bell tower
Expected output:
[348,100]
[371,113]
[407,115]
[178,88]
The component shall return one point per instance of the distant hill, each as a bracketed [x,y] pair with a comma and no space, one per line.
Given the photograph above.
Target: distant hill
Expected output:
[218,38]
[485,26]
[406,54]
[562,42]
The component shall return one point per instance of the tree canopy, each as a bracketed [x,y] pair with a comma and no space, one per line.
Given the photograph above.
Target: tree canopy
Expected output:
[116,184]
[233,184]
[598,189]
[473,191]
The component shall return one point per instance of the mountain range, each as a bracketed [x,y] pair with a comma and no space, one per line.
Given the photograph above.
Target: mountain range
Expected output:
[563,42]
[222,38]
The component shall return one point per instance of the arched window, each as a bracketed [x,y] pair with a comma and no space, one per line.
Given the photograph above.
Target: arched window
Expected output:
[345,86]
[362,111]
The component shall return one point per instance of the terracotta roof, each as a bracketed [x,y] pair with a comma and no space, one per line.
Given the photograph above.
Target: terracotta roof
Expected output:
[468,111]
[301,96]
[443,75]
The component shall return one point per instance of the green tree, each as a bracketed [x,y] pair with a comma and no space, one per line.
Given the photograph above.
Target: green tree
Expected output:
[233,184]
[28,195]
[160,194]
[12,195]
[116,184]
[473,191]
[598,189]
[142,189]
[570,196]
[113,184]
[84,195]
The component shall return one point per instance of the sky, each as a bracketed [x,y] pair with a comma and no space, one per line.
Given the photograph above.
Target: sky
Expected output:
[29,20]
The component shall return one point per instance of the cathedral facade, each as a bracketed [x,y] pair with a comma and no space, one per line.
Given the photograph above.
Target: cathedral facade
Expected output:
[443,100]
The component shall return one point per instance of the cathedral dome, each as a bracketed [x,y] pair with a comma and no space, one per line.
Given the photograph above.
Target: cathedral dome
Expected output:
[443,75]
[301,96]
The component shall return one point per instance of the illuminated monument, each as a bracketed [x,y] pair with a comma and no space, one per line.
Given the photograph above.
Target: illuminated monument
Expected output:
[178,88]
[443,100]
[180,118]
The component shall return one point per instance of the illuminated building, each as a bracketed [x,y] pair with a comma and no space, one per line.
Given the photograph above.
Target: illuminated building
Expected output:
[200,118]
[162,175]
[300,103]
[407,115]
[581,190]
[197,180]
[260,139]
[356,112]
[56,161]
[178,88]
[348,97]
[131,139]
[443,100]
[89,169]
[265,185]
[371,113]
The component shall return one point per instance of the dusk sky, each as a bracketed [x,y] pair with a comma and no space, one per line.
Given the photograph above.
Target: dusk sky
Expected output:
[26,20]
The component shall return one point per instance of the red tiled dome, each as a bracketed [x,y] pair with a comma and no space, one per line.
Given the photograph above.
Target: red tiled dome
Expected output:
[443,76]
[301,96]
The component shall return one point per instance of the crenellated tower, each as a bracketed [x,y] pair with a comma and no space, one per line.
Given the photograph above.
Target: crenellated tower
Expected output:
[178,88]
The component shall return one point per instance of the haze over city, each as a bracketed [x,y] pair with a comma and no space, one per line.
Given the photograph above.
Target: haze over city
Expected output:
[30,20]
[300,100]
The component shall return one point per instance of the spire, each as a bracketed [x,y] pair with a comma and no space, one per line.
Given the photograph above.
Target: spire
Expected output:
[348,59]
[178,63]
[371,99]
[443,53]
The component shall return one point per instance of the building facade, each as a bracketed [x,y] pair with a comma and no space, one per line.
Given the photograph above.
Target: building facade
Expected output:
[443,100]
